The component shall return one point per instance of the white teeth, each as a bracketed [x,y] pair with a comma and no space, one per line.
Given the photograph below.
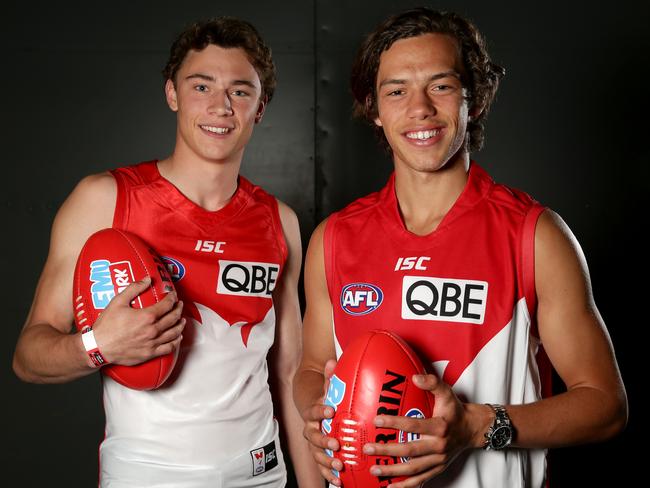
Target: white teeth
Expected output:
[216,130]
[423,134]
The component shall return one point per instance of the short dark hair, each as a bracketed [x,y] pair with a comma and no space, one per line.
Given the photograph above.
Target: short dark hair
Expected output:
[227,32]
[481,76]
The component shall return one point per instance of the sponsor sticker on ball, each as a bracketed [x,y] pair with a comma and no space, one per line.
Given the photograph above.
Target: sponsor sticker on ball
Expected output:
[108,279]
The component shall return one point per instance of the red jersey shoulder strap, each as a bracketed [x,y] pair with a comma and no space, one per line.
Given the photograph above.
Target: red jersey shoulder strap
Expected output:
[528,259]
[328,253]
[125,178]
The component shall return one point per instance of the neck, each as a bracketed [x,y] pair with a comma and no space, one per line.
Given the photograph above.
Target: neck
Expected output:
[209,184]
[425,197]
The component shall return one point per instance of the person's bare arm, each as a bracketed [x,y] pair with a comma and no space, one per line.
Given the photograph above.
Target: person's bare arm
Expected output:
[593,408]
[285,355]
[48,350]
[573,333]
[318,359]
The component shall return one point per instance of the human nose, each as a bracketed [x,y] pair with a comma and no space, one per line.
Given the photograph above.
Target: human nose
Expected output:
[220,104]
[421,105]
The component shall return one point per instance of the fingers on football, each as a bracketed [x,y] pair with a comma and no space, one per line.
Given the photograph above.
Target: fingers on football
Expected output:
[435,426]
[169,347]
[320,440]
[318,412]
[326,464]
[132,291]
[170,319]
[422,447]
[171,334]
[419,469]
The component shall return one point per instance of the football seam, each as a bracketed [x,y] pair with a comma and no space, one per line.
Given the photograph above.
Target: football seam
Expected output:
[153,289]
[126,238]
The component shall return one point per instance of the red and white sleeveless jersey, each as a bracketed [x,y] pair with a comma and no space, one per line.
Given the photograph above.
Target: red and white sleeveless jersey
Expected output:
[214,414]
[462,296]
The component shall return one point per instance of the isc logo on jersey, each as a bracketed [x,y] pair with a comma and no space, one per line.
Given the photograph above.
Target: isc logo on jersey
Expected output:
[175,268]
[109,279]
[444,299]
[361,298]
[247,279]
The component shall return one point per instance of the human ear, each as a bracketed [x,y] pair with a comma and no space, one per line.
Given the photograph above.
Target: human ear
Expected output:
[170,95]
[260,109]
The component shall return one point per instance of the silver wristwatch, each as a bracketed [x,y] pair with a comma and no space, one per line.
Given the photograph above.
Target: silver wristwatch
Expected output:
[500,434]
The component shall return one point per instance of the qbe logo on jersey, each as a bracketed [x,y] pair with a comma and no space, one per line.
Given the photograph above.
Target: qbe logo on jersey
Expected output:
[109,279]
[247,279]
[444,299]
[264,458]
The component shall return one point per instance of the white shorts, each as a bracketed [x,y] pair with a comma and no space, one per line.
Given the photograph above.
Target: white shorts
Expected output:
[261,466]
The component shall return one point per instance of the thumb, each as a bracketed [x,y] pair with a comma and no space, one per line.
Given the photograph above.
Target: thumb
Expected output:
[428,382]
[126,296]
[328,370]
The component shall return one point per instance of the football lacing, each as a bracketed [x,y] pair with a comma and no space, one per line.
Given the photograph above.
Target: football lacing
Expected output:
[350,451]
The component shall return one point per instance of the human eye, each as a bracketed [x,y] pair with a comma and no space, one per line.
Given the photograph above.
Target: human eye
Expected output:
[240,93]
[201,88]
[444,86]
[395,93]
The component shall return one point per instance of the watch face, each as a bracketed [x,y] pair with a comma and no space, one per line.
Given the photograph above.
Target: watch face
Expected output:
[501,437]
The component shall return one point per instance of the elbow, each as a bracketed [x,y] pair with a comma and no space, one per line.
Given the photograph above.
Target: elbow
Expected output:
[21,371]
[617,419]
[620,417]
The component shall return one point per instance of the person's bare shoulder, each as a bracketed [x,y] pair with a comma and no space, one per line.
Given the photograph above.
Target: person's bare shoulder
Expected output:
[89,208]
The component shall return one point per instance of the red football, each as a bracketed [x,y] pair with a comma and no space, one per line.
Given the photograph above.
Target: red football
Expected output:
[373,377]
[110,260]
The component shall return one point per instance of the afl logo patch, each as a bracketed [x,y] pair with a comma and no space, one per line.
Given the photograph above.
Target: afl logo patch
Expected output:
[414,413]
[361,298]
[175,268]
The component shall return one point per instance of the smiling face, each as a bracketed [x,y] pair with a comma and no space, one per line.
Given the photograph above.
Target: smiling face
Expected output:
[421,103]
[217,99]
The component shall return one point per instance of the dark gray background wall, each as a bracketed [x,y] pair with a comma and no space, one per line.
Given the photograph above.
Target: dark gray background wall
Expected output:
[82,92]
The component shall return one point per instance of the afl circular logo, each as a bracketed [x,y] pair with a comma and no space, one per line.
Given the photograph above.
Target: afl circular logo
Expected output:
[414,413]
[361,298]
[175,268]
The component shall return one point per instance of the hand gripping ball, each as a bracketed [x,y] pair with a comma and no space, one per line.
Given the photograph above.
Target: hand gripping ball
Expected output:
[109,261]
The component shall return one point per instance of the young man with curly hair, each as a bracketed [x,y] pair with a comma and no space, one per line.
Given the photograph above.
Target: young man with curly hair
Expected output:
[480,278]
[213,423]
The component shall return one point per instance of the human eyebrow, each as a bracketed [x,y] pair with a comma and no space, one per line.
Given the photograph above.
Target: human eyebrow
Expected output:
[445,74]
[435,77]
[391,81]
[245,83]
[200,76]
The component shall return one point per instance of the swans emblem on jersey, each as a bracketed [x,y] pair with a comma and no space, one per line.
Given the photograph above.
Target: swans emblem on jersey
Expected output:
[209,323]
[361,298]
[175,268]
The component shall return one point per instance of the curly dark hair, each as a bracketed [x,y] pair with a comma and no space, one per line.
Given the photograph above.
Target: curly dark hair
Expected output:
[480,78]
[226,32]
